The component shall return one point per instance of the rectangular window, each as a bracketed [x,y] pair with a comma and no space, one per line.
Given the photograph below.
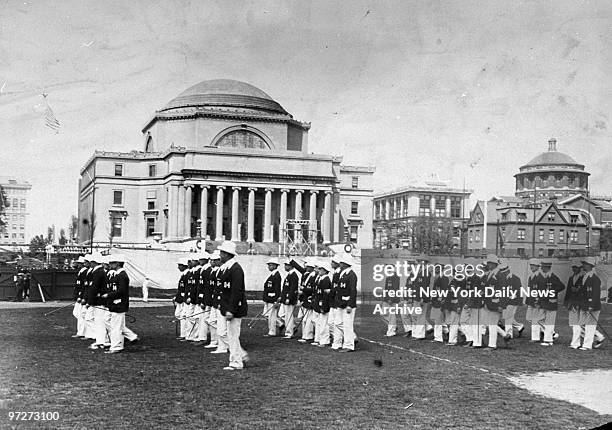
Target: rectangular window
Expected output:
[118,169]
[520,251]
[354,233]
[355,182]
[440,206]
[520,234]
[456,207]
[117,226]
[561,236]
[504,217]
[521,217]
[354,208]
[551,216]
[151,205]
[21,236]
[574,236]
[152,170]
[150,226]
[23,204]
[573,219]
[551,236]
[424,205]
[118,197]
[541,235]
[15,203]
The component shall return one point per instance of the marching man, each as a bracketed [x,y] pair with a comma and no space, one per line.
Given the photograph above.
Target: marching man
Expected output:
[309,276]
[96,302]
[118,302]
[271,296]
[233,303]
[215,299]
[288,298]
[494,305]
[572,302]
[179,299]
[549,303]
[79,288]
[203,300]
[323,286]
[591,305]
[535,314]
[392,288]
[346,302]
[191,300]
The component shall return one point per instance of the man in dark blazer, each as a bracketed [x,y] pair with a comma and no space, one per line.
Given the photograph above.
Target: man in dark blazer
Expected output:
[289,297]
[590,305]
[346,301]
[549,303]
[233,303]
[271,296]
[96,302]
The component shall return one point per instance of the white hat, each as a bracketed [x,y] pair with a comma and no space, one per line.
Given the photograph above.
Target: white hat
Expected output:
[589,260]
[324,265]
[346,259]
[216,255]
[227,246]
[576,263]
[534,262]
[547,262]
[203,255]
[87,257]
[116,258]
[81,259]
[335,258]
[273,261]
[182,261]
[492,258]
[309,262]
[96,257]
[192,256]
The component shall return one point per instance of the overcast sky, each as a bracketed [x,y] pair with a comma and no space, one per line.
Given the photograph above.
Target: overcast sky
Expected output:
[411,87]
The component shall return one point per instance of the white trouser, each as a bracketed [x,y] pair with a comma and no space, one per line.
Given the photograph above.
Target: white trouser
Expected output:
[574,322]
[308,324]
[100,316]
[589,319]
[549,325]
[127,333]
[420,321]
[271,313]
[344,336]
[222,339]
[464,324]
[289,320]
[452,320]
[180,314]
[322,329]
[392,327]
[212,326]
[331,321]
[536,316]
[510,323]
[476,325]
[203,328]
[88,316]
[192,322]
[114,324]
[78,314]
[237,354]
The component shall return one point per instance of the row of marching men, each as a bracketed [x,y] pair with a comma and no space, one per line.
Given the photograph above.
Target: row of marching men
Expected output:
[474,315]
[102,299]
[322,295]
[211,302]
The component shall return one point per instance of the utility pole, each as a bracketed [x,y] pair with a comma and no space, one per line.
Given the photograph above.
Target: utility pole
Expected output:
[533,227]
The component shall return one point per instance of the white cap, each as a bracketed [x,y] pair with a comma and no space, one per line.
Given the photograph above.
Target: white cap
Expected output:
[309,262]
[227,246]
[589,260]
[96,257]
[203,255]
[116,258]
[273,261]
[492,258]
[216,255]
[81,259]
[346,259]
[534,262]
[192,256]
[324,265]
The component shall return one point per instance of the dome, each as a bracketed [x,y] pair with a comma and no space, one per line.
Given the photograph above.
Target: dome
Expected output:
[552,157]
[225,93]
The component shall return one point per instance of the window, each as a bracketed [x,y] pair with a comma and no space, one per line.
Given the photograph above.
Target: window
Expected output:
[574,236]
[242,139]
[118,169]
[23,204]
[521,217]
[520,234]
[355,182]
[152,170]
[15,203]
[354,208]
[541,235]
[151,205]
[561,236]
[424,205]
[150,226]
[504,217]
[21,236]
[440,206]
[354,234]
[118,197]
[573,219]
[477,236]
[551,236]
[520,251]
[455,207]
[117,226]
[22,227]
[551,216]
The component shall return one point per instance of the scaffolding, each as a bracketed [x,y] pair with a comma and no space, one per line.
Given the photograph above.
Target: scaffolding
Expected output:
[299,238]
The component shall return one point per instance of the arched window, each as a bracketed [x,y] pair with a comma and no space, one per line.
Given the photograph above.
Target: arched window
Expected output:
[242,138]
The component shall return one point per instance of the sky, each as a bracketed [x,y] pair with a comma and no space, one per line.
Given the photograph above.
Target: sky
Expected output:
[466,90]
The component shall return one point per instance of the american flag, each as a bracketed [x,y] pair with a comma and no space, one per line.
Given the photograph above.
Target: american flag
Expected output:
[50,119]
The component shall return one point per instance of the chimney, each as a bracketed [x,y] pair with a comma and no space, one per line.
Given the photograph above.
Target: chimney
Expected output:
[552,145]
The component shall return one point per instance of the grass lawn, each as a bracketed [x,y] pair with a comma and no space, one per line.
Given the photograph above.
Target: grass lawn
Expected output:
[163,383]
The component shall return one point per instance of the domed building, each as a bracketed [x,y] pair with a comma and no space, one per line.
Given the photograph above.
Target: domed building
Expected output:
[551,175]
[224,160]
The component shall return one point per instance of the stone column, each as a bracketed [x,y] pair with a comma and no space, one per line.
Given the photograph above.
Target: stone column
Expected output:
[173,212]
[312,210]
[283,214]
[235,196]
[267,233]
[203,210]
[298,213]
[326,217]
[402,207]
[448,206]
[394,208]
[336,226]
[188,200]
[181,211]
[219,215]
[432,206]
[251,216]
[387,209]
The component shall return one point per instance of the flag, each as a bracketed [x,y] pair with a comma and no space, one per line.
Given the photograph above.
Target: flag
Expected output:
[50,119]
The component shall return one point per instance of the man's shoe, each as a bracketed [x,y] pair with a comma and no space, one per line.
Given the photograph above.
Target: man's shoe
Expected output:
[346,350]
[546,343]
[76,335]
[232,368]
[267,335]
[315,343]
[246,358]
[302,340]
[490,348]
[180,338]
[287,337]
[582,348]
[555,336]
[114,351]
[468,344]
[134,341]
[219,351]
[210,345]
[597,343]
[574,347]
[389,335]
[95,346]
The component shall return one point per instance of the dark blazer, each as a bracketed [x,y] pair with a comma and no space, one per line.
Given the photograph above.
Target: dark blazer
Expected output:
[321,297]
[204,287]
[307,290]
[334,281]
[591,292]
[496,283]
[98,287]
[233,295]
[272,288]
[181,290]
[392,283]
[474,284]
[118,299]
[79,284]
[538,283]
[191,287]
[554,286]
[289,293]
[514,282]
[572,297]
[346,295]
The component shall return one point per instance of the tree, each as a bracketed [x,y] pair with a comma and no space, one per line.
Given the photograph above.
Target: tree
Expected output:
[38,243]
[50,234]
[432,236]
[4,203]
[62,239]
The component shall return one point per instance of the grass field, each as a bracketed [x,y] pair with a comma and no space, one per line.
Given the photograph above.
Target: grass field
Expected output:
[163,383]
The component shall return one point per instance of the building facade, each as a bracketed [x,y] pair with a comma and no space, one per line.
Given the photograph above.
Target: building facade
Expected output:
[402,216]
[224,160]
[551,213]
[16,214]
